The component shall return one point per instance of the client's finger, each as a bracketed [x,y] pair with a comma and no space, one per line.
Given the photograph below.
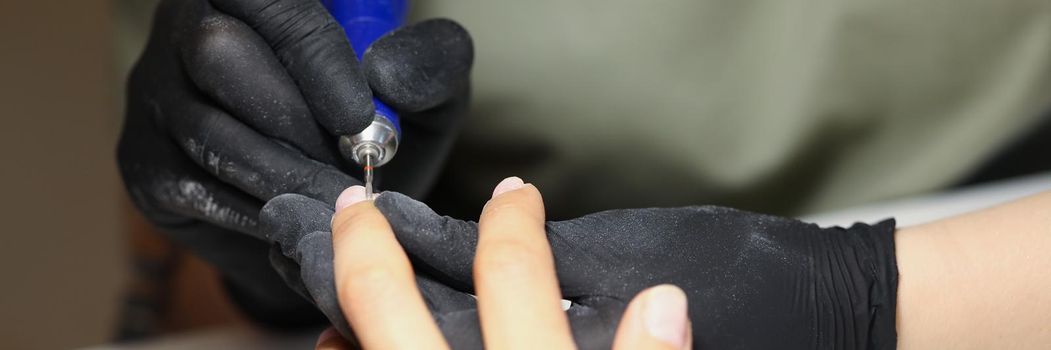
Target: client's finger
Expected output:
[514,273]
[331,340]
[655,319]
[376,286]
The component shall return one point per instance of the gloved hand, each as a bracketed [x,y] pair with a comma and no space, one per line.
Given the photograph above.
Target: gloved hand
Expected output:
[753,281]
[236,101]
[300,228]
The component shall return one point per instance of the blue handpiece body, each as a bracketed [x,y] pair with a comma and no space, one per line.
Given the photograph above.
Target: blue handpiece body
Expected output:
[364,21]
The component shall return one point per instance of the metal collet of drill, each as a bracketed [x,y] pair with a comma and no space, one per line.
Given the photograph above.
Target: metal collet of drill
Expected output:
[371,148]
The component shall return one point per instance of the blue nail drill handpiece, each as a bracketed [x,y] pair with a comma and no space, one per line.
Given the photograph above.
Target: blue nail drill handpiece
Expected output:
[364,21]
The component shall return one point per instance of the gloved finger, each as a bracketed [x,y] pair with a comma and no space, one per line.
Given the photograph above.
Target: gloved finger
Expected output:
[655,319]
[445,247]
[299,222]
[374,279]
[514,274]
[313,270]
[284,221]
[302,252]
[164,183]
[289,271]
[299,226]
[287,218]
[441,246]
[442,299]
[315,52]
[230,63]
[239,156]
[315,256]
[172,197]
[420,66]
[594,320]
[454,311]
[461,329]
[255,287]
[592,326]
[330,339]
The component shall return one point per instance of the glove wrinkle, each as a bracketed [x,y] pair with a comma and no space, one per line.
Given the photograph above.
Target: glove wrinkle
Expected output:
[314,255]
[434,242]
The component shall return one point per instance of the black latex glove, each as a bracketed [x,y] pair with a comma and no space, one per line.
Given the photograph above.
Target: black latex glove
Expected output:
[753,281]
[301,229]
[236,101]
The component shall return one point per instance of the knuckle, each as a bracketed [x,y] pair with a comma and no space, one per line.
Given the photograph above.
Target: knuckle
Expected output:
[451,36]
[291,24]
[437,68]
[213,33]
[369,281]
[505,207]
[215,38]
[361,217]
[501,207]
[506,258]
[447,24]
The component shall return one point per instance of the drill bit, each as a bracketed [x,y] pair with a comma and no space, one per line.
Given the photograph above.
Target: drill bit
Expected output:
[368,175]
[368,154]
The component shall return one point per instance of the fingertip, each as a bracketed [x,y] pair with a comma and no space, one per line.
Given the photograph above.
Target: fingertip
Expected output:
[665,315]
[325,336]
[509,184]
[331,340]
[395,205]
[657,318]
[285,219]
[350,196]
[353,114]
[514,184]
[437,241]
[437,69]
[517,195]
[354,212]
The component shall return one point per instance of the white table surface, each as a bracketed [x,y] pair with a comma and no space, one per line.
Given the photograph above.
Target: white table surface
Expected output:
[925,208]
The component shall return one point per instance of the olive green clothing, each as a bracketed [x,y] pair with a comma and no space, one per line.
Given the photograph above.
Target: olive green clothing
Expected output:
[782,106]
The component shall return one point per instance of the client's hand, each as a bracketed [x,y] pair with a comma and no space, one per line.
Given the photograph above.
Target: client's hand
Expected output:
[514,278]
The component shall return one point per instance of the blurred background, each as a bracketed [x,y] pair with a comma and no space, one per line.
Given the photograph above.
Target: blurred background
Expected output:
[67,262]
[81,268]
[64,250]
[66,266]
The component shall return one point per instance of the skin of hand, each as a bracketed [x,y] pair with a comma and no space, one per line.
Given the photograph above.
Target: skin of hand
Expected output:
[236,101]
[979,280]
[518,293]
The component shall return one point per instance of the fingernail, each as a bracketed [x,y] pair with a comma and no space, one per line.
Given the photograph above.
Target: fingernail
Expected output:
[325,336]
[349,197]
[665,315]
[508,184]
